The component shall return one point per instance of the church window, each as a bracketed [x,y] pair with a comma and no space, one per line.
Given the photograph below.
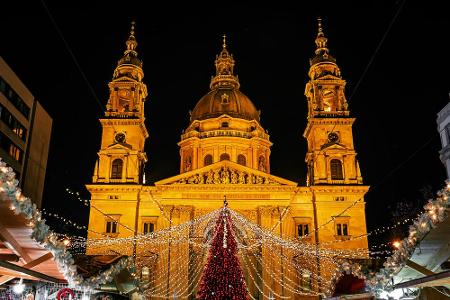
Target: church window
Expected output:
[224,156]
[342,229]
[112,224]
[116,169]
[148,227]
[208,160]
[302,230]
[225,124]
[242,160]
[111,227]
[336,169]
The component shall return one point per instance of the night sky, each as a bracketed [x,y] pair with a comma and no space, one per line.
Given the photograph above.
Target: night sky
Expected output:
[395,104]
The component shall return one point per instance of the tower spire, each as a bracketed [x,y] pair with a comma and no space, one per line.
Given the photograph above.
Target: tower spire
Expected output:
[130,60]
[224,45]
[321,40]
[322,53]
[224,68]
[131,42]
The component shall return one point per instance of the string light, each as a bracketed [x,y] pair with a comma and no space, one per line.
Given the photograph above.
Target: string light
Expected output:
[180,236]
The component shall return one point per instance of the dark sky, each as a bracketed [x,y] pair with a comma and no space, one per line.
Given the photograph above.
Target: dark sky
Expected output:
[395,105]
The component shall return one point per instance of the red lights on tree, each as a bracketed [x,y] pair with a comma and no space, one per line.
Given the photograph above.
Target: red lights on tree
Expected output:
[222,277]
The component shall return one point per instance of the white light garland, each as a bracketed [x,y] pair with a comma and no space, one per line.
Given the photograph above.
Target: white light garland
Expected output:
[435,212]
[41,233]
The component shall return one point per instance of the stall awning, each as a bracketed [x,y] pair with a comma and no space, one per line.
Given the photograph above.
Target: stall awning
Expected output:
[438,279]
[20,255]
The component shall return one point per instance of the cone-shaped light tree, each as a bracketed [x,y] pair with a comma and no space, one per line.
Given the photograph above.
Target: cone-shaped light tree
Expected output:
[222,277]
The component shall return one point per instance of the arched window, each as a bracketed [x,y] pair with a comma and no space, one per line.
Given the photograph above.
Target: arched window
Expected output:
[224,156]
[116,169]
[336,169]
[208,160]
[242,160]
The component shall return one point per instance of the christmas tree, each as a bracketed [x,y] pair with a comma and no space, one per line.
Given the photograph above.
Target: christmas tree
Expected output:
[222,277]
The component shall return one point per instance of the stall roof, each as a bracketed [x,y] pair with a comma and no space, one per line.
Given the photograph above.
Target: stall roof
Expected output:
[20,254]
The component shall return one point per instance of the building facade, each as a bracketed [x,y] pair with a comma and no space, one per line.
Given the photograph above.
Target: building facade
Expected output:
[25,130]
[225,150]
[443,127]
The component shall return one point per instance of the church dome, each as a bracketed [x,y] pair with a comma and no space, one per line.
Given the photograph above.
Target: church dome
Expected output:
[225,96]
[226,100]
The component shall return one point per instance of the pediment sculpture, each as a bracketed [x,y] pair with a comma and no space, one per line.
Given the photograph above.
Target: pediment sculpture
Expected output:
[226,175]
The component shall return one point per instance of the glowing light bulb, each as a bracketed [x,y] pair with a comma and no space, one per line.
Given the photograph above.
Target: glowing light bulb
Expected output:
[66,242]
[396,244]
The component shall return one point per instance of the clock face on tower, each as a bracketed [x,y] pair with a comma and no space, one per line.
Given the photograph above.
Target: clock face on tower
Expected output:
[119,137]
[333,137]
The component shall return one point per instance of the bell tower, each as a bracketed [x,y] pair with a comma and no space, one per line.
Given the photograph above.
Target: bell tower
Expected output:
[121,156]
[331,157]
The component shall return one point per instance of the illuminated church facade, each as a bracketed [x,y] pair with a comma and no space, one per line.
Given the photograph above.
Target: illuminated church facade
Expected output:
[225,151]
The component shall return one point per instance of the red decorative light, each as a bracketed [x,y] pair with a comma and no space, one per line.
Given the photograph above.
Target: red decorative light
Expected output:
[222,277]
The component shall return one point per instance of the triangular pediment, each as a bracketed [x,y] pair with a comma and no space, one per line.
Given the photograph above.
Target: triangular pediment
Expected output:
[333,146]
[226,172]
[119,146]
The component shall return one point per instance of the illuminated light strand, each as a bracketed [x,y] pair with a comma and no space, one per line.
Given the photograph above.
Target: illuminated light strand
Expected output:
[163,213]
[274,276]
[256,283]
[273,249]
[435,212]
[41,233]
[163,272]
[311,269]
[370,252]
[85,202]
[181,280]
[88,202]
[332,219]
[174,281]
[64,219]
[285,212]
[432,214]
[160,207]
[371,233]
[295,245]
[311,266]
[153,290]
[262,280]
[154,236]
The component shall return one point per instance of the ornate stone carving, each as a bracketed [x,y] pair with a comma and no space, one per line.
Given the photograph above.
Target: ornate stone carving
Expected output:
[241,178]
[216,179]
[210,177]
[234,177]
[226,175]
